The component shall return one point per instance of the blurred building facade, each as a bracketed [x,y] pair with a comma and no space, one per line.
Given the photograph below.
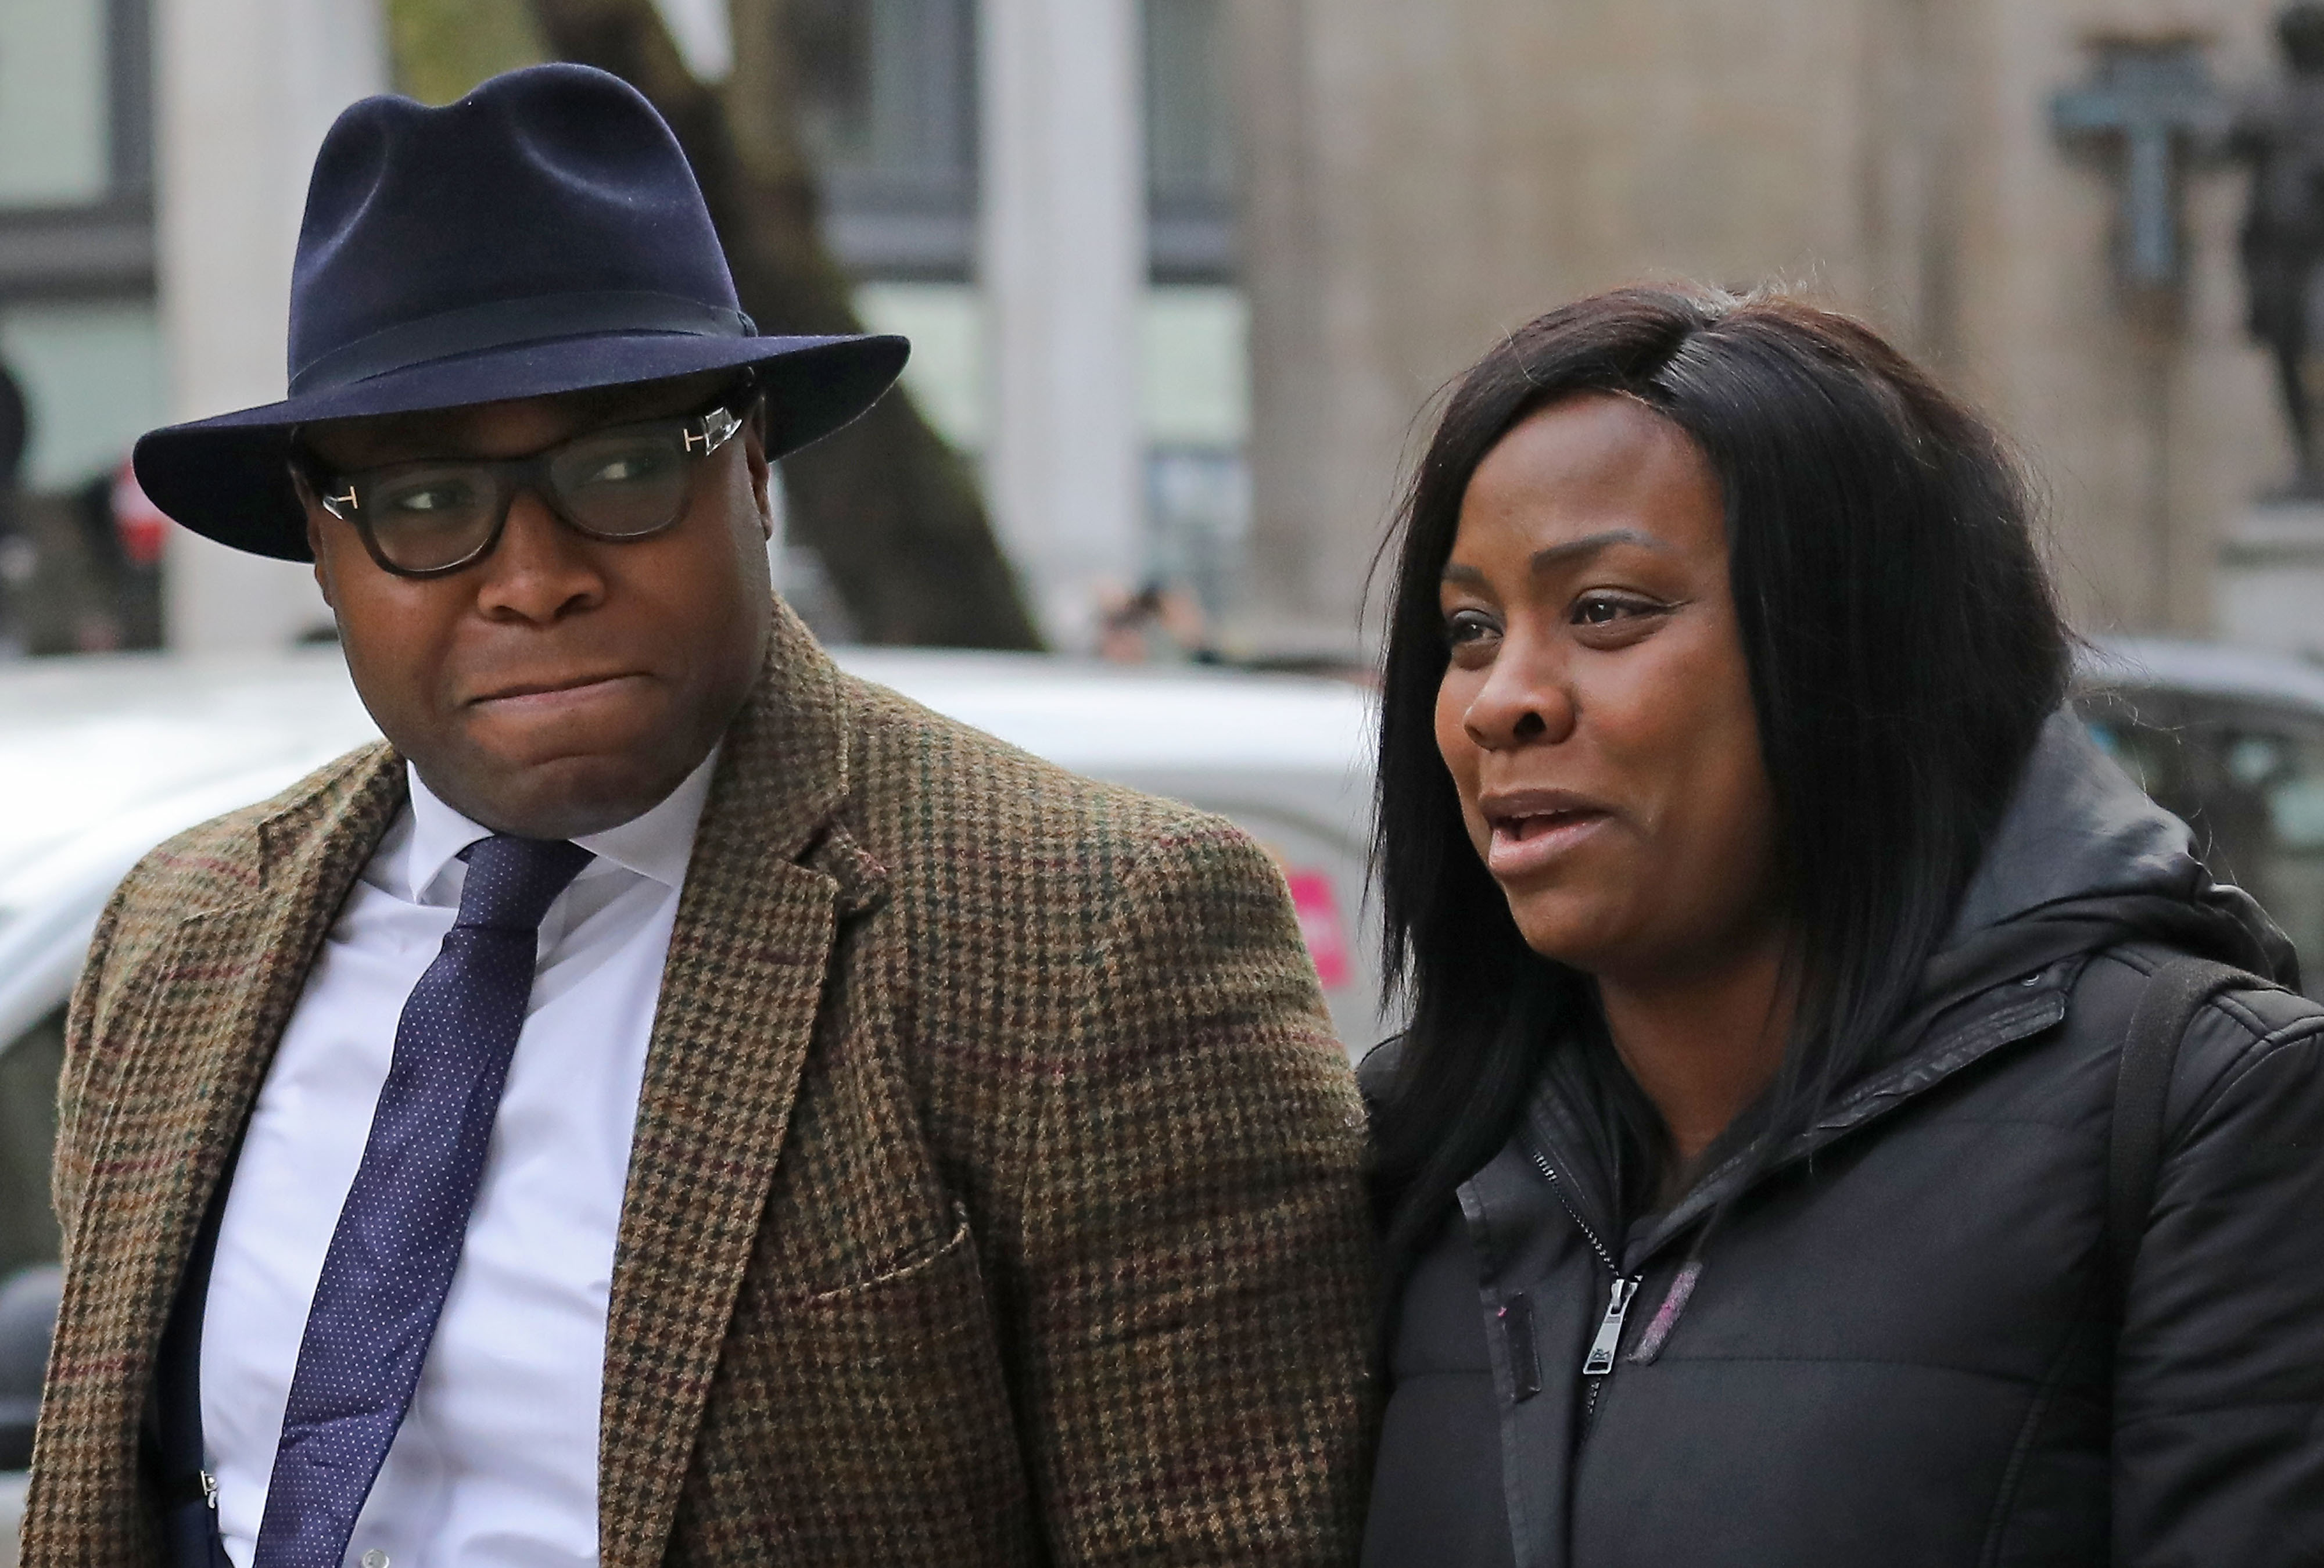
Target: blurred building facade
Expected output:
[79,329]
[1041,195]
[246,90]
[1039,192]
[153,161]
[1421,179]
[1183,273]
[77,254]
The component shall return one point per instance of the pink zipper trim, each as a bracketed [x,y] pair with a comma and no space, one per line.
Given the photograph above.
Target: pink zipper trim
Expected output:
[1666,1315]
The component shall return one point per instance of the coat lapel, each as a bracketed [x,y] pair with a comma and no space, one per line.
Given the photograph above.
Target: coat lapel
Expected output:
[208,1009]
[769,886]
[740,994]
[2002,1018]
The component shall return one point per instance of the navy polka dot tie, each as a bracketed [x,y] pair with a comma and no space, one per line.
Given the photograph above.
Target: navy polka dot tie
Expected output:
[399,1236]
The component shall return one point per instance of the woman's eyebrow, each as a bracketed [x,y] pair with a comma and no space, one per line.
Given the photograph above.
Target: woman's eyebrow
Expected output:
[1560,555]
[1590,544]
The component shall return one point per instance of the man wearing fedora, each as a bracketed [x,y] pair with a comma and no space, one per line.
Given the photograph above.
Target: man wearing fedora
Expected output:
[670,1102]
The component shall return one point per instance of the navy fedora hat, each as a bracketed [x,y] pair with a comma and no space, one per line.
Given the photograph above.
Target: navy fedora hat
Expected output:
[543,234]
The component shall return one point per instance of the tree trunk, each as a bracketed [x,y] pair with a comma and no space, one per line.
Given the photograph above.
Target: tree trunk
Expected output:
[892,510]
[441,47]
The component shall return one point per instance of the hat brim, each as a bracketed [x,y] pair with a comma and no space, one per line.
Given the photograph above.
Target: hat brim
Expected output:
[227,478]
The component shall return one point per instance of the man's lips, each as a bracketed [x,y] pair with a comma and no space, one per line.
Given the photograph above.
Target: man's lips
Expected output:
[552,692]
[1533,827]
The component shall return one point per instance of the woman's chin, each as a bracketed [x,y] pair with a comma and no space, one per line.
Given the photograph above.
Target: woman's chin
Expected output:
[1577,935]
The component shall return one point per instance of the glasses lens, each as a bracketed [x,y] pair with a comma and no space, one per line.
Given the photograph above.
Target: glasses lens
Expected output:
[429,515]
[621,483]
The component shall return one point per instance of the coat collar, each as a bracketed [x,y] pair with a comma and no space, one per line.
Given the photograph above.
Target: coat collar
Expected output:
[2081,860]
[773,874]
[2081,844]
[784,764]
[774,871]
[196,1017]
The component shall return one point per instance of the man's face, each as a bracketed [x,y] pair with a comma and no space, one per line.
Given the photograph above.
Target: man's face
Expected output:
[562,684]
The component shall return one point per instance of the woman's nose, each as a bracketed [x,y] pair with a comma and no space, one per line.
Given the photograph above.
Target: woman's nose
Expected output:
[1521,703]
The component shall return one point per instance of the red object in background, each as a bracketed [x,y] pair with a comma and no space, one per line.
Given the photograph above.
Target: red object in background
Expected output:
[142,526]
[1319,923]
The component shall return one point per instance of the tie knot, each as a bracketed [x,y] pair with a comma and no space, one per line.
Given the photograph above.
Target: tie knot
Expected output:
[512,882]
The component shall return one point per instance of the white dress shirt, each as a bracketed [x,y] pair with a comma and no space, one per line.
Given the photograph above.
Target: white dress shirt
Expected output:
[496,1460]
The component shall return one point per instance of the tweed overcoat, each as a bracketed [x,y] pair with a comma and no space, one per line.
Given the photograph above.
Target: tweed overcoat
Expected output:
[995,1195]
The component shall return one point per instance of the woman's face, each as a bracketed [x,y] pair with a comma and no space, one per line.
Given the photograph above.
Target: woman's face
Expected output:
[1596,714]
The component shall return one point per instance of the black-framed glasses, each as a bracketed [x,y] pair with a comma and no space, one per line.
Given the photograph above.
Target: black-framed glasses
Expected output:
[433,517]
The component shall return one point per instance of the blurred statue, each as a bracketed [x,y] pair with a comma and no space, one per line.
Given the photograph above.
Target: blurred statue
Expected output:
[2279,133]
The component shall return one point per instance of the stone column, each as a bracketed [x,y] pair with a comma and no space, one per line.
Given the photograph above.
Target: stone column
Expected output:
[1316,386]
[1062,264]
[246,90]
[1420,180]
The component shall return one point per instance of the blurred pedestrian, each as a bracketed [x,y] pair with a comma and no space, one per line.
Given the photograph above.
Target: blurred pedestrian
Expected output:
[18,557]
[1159,622]
[671,1102]
[1840,1122]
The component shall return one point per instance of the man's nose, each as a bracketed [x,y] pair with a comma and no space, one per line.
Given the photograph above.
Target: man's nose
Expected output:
[541,570]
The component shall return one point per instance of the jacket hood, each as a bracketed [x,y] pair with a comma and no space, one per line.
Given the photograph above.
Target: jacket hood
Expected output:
[2084,860]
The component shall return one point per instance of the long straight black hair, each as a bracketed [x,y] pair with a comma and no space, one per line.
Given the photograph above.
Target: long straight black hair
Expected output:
[1903,646]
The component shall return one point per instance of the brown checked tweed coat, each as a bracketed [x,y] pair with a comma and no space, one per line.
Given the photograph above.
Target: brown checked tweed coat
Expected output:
[995,1196]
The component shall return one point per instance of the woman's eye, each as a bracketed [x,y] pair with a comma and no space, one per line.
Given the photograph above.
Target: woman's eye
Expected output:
[1466,626]
[1607,609]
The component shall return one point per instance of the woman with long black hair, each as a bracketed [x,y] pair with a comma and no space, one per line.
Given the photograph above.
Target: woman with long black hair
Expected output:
[1840,1122]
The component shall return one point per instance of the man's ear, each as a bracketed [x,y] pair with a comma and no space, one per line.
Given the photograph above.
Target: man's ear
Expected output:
[308,504]
[763,472]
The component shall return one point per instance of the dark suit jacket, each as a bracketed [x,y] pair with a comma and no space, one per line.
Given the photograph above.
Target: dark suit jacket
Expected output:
[996,1192]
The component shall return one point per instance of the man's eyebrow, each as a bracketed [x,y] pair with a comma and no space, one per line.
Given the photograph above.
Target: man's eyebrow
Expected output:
[1559,555]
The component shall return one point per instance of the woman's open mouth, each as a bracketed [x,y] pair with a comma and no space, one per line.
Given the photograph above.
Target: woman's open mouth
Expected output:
[1528,835]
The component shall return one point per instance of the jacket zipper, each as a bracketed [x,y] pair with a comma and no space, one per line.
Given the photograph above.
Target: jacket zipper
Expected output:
[1598,1365]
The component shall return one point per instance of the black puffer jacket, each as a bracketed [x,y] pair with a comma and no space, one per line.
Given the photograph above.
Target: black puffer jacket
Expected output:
[1900,1347]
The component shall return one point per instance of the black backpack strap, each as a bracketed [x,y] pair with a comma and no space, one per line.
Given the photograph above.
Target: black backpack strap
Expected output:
[2175,992]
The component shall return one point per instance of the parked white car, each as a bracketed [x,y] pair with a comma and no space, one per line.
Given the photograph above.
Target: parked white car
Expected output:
[100,759]
[2233,741]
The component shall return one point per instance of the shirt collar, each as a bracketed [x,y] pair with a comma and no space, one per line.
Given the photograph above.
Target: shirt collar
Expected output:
[656,845]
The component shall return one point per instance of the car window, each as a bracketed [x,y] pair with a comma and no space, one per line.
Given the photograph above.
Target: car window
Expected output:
[30,1280]
[1324,874]
[2248,780]
[28,1138]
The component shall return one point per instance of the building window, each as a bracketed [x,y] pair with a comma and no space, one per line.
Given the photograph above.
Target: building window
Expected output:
[79,333]
[1193,348]
[1190,149]
[888,109]
[75,148]
[55,145]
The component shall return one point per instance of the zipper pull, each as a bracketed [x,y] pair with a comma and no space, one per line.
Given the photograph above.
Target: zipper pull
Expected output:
[1524,1360]
[1601,1360]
